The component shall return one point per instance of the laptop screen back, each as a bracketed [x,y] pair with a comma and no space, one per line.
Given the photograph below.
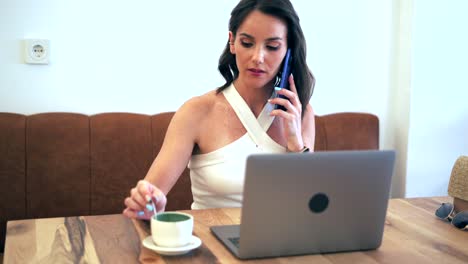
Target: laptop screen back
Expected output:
[314,203]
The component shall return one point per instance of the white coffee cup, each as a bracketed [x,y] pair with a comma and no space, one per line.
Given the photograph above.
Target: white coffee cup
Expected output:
[171,229]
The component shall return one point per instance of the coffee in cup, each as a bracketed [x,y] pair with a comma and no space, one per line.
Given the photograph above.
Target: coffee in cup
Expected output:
[171,229]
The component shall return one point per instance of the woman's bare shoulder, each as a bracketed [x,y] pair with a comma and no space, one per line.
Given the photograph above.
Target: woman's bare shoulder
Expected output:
[199,105]
[198,108]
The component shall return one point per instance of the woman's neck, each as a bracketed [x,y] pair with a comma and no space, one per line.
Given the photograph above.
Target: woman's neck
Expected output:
[255,97]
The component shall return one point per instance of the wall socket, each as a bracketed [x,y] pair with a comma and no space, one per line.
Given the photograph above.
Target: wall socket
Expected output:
[36,51]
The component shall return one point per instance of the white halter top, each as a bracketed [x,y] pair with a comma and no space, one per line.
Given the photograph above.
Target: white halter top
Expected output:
[218,177]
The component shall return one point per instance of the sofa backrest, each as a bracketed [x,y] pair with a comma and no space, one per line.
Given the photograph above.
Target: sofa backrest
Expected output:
[67,164]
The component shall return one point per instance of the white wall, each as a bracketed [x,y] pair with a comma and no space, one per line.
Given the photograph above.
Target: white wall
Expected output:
[150,56]
[439,100]
[135,56]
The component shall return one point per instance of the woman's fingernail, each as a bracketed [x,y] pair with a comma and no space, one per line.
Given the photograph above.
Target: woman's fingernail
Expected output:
[148,198]
[277,88]
[149,207]
[141,213]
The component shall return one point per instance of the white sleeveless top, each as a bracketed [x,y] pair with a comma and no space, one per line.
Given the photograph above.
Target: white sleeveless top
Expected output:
[218,177]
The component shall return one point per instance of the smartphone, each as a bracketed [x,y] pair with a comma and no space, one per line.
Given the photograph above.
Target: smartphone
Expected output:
[285,72]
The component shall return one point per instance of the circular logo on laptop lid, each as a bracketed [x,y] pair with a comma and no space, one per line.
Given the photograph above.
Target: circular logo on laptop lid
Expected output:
[318,203]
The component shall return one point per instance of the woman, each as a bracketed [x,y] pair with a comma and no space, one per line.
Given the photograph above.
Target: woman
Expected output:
[215,132]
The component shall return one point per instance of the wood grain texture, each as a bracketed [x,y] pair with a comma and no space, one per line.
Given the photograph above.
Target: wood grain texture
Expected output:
[114,238]
[412,235]
[53,240]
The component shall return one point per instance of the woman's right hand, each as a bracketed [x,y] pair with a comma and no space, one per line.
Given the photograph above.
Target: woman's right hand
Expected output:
[140,197]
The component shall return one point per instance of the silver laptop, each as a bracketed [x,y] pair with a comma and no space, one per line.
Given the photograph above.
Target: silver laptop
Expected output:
[320,202]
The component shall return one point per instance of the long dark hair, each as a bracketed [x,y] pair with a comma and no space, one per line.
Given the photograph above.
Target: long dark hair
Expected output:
[284,10]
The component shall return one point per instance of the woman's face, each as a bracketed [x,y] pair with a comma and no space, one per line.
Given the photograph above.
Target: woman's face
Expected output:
[260,46]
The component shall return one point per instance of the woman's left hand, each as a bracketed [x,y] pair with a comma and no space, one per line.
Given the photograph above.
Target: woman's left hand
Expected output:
[292,117]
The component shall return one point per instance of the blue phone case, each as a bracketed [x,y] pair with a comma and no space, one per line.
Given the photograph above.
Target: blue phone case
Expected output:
[285,72]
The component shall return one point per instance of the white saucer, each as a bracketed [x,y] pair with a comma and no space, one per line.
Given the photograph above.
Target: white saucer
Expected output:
[171,251]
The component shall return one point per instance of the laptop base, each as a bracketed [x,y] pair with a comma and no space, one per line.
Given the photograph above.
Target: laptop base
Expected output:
[229,236]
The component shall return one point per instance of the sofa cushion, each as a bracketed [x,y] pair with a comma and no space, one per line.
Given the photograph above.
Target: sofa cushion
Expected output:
[12,170]
[57,159]
[347,131]
[121,154]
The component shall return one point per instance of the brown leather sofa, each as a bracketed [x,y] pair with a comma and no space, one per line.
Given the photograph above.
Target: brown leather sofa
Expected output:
[67,164]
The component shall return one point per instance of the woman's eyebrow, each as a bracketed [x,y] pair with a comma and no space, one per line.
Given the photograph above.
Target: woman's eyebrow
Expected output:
[268,39]
[246,35]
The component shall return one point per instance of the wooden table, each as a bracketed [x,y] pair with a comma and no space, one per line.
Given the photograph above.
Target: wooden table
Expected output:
[412,235]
